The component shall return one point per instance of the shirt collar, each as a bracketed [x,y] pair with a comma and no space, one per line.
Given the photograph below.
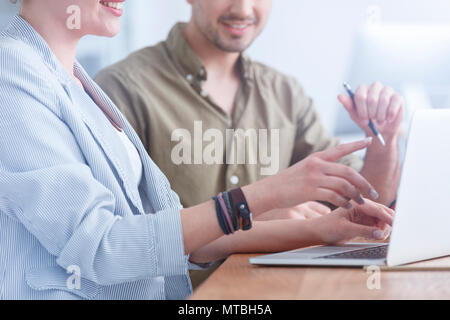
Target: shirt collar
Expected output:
[188,63]
[245,66]
[20,29]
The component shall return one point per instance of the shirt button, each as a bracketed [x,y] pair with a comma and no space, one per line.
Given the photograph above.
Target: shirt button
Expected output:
[234,180]
[189,77]
[204,94]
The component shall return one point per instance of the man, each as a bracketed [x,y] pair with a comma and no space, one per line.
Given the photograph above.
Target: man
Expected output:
[184,95]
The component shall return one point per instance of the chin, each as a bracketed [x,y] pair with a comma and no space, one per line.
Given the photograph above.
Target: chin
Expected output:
[235,46]
[112,32]
[108,30]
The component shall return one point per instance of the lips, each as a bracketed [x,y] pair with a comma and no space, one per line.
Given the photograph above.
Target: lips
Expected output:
[237,28]
[115,7]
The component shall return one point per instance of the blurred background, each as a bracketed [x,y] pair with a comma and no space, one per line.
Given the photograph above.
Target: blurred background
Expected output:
[403,43]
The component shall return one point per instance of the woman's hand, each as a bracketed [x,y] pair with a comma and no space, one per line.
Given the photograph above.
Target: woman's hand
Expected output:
[308,210]
[370,220]
[316,178]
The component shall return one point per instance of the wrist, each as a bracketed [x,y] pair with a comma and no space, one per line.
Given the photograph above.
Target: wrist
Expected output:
[258,199]
[376,150]
[314,229]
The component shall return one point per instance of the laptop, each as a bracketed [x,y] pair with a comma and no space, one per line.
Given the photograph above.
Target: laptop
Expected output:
[421,228]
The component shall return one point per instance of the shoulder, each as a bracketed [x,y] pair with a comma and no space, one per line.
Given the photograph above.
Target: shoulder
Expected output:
[18,56]
[137,65]
[24,67]
[25,78]
[284,89]
[280,82]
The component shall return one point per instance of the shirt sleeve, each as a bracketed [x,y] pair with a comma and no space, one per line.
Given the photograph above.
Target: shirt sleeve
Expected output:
[311,136]
[47,186]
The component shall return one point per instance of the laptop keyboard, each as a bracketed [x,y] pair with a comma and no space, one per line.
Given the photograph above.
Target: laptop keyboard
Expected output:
[366,253]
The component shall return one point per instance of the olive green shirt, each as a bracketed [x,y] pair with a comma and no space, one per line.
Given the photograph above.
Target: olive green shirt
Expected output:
[159,90]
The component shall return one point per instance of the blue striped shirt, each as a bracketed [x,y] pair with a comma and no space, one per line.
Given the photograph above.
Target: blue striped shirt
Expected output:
[73,224]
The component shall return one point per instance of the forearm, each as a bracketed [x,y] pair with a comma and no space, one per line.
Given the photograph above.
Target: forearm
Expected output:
[382,169]
[265,236]
[200,225]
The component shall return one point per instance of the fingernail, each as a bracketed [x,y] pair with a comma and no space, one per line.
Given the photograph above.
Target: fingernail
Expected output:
[378,235]
[360,200]
[374,195]
[348,206]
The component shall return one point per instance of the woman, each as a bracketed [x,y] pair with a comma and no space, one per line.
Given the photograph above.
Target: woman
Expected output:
[85,213]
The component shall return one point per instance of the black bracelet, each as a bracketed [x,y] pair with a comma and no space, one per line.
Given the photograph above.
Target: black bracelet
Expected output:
[220,217]
[230,207]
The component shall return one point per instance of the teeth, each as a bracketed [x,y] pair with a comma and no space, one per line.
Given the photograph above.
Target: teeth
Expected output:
[114,5]
[238,26]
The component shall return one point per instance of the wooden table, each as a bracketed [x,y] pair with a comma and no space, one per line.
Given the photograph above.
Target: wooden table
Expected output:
[238,279]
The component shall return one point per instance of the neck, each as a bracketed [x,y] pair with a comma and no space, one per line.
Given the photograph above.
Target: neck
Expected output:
[214,59]
[62,41]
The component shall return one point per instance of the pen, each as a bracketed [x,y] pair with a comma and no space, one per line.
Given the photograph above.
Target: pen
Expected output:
[371,125]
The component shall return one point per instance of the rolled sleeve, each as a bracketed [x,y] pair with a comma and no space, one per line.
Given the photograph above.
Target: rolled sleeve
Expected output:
[168,246]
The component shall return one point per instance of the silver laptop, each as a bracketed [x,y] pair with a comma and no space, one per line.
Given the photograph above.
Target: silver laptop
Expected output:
[421,228]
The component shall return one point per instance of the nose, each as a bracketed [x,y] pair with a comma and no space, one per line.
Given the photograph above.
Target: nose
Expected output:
[242,8]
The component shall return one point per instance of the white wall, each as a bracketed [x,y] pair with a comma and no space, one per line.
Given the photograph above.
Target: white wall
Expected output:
[313,39]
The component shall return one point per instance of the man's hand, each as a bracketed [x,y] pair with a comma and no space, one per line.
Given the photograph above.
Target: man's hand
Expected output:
[308,210]
[378,103]
[385,108]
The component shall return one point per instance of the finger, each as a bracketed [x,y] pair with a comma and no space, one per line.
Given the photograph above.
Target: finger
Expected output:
[354,230]
[399,117]
[343,150]
[353,177]
[333,198]
[373,97]
[347,102]
[343,187]
[318,207]
[383,103]
[376,210]
[361,102]
[394,107]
